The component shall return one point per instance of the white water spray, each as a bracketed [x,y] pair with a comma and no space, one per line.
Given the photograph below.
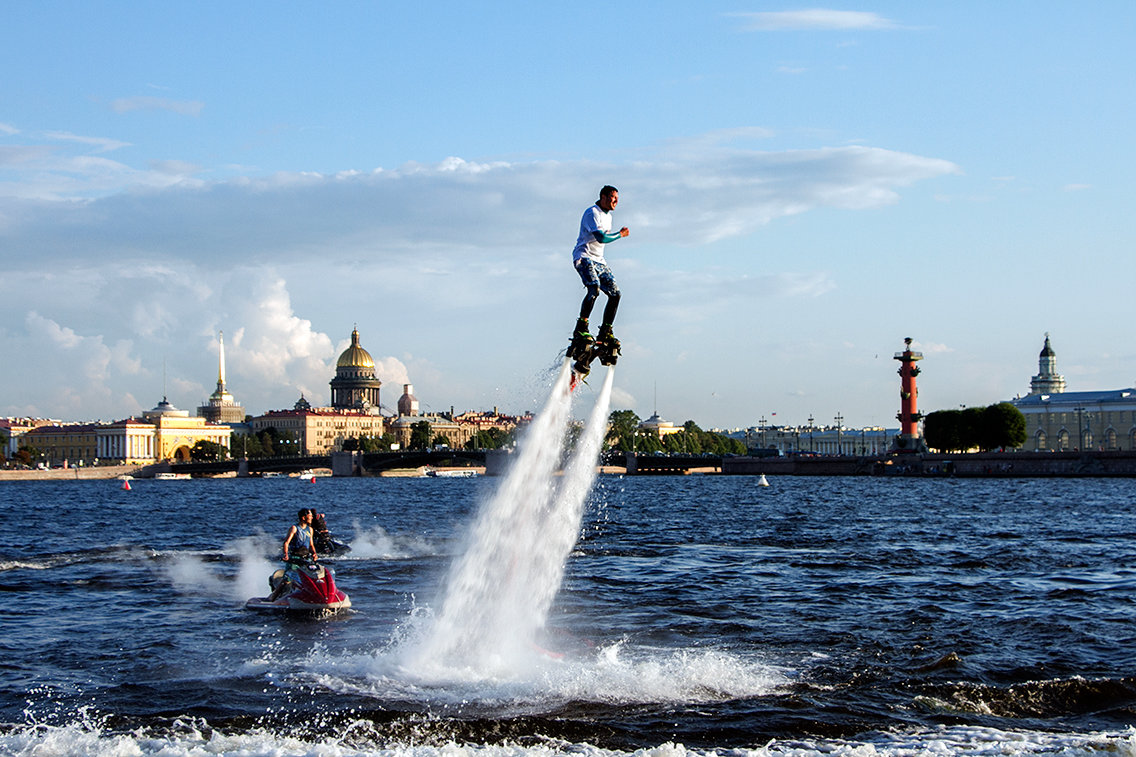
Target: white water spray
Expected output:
[499,591]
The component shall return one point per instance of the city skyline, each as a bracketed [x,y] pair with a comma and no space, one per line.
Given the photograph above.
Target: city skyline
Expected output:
[804,190]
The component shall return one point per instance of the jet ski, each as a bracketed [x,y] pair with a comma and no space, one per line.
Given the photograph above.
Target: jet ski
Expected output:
[302,588]
[329,547]
[325,545]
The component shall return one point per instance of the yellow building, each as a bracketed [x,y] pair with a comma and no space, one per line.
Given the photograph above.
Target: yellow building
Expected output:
[70,444]
[164,433]
[656,425]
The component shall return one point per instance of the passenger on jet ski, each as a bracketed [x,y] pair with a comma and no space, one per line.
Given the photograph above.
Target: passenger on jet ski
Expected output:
[322,537]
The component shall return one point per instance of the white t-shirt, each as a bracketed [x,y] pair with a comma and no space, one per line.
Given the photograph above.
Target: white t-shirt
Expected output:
[594,220]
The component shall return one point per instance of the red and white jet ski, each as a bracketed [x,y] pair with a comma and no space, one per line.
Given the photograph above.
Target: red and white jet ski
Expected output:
[302,588]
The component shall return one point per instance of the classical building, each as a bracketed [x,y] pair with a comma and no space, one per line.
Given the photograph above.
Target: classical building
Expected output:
[355,386]
[354,410]
[456,434]
[1061,420]
[818,440]
[222,408]
[15,428]
[483,420]
[164,433]
[659,427]
[67,444]
[320,430]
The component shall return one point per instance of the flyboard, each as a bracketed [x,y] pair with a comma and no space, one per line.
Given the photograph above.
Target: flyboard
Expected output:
[584,349]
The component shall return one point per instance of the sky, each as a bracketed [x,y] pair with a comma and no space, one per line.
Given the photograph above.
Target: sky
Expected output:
[805,186]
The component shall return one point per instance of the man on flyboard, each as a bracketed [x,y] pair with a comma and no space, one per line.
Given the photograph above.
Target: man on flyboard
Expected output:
[588,258]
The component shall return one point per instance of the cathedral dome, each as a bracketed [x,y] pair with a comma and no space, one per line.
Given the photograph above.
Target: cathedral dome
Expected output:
[355,356]
[1047,351]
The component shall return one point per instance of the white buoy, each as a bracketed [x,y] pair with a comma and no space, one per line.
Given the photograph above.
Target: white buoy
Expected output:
[762,481]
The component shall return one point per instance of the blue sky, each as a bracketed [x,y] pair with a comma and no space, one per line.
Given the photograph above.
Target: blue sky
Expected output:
[805,185]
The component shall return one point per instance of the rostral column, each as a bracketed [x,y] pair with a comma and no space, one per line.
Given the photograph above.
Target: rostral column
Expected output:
[909,439]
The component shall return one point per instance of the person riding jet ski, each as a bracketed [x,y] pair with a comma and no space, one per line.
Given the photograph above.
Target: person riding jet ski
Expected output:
[302,585]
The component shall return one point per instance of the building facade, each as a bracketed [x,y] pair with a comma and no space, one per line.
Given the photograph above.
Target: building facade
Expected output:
[320,430]
[164,433]
[1066,421]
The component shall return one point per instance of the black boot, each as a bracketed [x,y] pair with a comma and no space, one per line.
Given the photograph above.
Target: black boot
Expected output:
[582,341]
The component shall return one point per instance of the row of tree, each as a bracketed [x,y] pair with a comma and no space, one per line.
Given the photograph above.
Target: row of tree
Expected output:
[993,427]
[625,435]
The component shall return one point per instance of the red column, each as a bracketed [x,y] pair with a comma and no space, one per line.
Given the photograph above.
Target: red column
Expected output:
[908,395]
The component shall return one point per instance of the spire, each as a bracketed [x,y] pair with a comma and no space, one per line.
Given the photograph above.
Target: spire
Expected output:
[221,369]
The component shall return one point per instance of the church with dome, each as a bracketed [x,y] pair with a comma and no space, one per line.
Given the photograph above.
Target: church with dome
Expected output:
[354,411]
[355,386]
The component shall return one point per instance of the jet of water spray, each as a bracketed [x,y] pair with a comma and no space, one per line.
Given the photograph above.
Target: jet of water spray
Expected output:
[499,591]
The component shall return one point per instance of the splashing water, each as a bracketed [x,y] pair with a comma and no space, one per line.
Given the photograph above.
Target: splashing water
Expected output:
[499,591]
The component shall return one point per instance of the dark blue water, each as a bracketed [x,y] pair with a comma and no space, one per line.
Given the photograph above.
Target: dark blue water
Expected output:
[698,614]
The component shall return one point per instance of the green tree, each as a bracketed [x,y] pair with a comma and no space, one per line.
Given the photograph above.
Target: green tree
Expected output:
[1003,425]
[206,451]
[942,430]
[996,426]
[623,425]
[420,435]
[490,438]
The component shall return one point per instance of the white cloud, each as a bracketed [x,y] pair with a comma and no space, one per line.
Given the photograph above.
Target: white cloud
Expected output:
[143,102]
[820,19]
[8,129]
[462,262]
[101,144]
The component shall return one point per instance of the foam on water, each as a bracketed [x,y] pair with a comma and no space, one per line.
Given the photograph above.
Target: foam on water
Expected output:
[617,674]
[192,738]
[376,543]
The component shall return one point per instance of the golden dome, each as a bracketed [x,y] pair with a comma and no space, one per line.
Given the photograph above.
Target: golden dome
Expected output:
[355,356]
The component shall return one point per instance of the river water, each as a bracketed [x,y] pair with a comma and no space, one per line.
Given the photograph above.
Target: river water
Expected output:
[694,615]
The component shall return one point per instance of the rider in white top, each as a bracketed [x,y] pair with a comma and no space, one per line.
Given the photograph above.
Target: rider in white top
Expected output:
[588,259]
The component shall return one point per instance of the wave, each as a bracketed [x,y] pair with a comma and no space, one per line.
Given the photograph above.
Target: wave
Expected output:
[93,554]
[361,737]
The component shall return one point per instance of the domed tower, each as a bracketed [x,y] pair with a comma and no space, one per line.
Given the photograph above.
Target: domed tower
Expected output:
[408,403]
[1047,380]
[355,386]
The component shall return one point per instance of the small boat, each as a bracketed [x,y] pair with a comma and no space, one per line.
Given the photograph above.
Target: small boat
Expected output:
[172,476]
[451,473]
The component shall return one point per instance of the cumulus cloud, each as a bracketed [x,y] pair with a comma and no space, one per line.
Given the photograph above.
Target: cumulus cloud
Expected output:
[820,19]
[131,273]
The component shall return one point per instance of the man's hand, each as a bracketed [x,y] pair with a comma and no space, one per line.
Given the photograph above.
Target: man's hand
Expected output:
[624,232]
